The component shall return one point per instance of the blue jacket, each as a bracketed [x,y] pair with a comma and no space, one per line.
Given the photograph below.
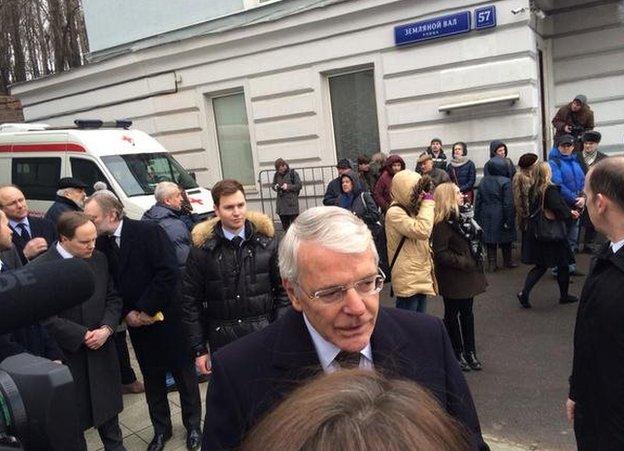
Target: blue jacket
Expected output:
[174,227]
[567,173]
[463,175]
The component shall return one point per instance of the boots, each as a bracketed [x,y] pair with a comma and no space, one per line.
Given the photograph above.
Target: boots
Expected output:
[463,363]
[508,262]
[472,361]
[491,258]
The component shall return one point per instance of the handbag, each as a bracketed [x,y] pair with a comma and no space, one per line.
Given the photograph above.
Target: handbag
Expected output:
[546,227]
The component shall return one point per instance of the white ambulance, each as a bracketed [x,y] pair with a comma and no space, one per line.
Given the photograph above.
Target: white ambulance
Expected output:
[130,162]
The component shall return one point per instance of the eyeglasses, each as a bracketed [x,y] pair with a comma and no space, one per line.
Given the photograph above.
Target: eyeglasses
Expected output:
[365,287]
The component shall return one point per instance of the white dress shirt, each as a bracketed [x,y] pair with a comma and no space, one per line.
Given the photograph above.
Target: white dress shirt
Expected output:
[61,250]
[328,351]
[117,233]
[229,235]
[617,246]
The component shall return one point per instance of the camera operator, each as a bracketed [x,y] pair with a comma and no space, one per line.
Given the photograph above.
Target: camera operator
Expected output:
[574,119]
[32,339]
[83,332]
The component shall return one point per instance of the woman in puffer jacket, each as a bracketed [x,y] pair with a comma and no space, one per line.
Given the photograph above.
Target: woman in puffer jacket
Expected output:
[409,220]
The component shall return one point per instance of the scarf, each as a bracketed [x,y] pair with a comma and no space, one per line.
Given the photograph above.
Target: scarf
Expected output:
[346,200]
[590,157]
[456,162]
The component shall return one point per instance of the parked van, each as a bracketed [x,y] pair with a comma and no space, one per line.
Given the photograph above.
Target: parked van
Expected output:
[130,162]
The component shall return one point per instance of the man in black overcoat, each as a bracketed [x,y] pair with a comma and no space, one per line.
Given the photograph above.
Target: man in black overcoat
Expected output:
[329,268]
[596,398]
[84,333]
[145,271]
[31,235]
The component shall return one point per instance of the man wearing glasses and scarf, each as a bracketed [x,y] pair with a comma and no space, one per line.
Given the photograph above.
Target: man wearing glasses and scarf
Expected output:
[329,268]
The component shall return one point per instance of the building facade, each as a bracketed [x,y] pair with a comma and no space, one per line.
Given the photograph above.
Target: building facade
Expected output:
[313,81]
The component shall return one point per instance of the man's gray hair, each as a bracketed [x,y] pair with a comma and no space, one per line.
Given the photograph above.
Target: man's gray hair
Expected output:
[108,202]
[333,228]
[164,190]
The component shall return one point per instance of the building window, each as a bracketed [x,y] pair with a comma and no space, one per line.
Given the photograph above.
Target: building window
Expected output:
[37,177]
[354,114]
[233,138]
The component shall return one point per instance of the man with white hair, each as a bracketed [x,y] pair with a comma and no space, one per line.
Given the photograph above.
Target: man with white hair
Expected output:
[329,268]
[70,196]
[166,212]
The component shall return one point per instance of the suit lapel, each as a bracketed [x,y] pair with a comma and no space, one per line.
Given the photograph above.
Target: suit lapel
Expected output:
[387,343]
[127,241]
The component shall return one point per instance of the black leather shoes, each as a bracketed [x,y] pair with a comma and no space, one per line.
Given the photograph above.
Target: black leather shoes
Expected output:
[193,439]
[524,301]
[158,442]
[569,299]
[463,364]
[473,362]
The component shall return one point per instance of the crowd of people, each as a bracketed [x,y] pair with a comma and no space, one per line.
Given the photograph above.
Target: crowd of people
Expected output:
[260,314]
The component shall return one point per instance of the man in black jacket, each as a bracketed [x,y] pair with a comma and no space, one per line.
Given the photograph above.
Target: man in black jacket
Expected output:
[232,285]
[31,235]
[329,268]
[145,271]
[596,403]
[334,190]
[70,196]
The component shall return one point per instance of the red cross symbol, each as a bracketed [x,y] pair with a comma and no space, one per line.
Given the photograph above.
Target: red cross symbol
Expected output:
[127,138]
[196,201]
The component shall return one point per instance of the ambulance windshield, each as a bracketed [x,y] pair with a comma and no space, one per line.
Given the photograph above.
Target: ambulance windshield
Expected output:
[138,174]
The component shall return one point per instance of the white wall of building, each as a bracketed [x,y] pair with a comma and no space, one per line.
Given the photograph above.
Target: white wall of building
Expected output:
[282,68]
[588,58]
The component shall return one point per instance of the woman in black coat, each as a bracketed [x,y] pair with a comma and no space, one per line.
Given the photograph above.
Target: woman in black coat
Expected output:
[546,254]
[458,257]
[494,210]
[287,184]
[462,171]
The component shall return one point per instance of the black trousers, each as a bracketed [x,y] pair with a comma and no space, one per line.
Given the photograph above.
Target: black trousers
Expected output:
[128,375]
[536,273]
[287,220]
[459,322]
[158,404]
[110,434]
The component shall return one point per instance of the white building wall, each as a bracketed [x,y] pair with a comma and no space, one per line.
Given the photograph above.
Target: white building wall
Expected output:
[588,58]
[282,67]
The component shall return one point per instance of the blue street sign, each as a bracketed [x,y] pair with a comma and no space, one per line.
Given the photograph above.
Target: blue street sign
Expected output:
[485,17]
[437,27]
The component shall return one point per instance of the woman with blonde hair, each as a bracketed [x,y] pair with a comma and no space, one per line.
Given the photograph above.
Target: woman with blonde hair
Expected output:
[458,255]
[357,410]
[545,199]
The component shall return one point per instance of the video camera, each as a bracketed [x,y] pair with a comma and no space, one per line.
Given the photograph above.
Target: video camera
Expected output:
[37,396]
[577,132]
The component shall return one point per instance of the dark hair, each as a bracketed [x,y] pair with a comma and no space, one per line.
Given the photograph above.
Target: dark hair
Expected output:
[424,185]
[69,221]
[363,159]
[463,146]
[357,410]
[225,187]
[280,162]
[436,140]
[607,178]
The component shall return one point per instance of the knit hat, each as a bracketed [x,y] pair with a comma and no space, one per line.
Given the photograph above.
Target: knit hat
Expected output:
[581,98]
[565,139]
[344,164]
[527,160]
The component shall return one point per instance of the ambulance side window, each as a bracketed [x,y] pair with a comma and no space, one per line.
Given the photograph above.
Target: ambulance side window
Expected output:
[88,172]
[37,177]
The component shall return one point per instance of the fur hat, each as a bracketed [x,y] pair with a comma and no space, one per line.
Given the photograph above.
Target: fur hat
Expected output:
[527,160]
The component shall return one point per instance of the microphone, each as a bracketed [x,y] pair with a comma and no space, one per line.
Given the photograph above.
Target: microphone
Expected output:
[36,292]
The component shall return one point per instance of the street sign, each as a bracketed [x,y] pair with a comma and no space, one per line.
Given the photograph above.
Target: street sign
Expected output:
[438,27]
[485,17]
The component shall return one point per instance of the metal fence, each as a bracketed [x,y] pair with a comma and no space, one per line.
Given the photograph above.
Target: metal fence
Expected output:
[314,181]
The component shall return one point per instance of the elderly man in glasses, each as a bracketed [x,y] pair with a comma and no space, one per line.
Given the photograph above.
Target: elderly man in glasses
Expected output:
[329,268]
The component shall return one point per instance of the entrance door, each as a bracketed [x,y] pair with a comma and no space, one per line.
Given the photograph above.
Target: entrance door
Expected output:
[354,114]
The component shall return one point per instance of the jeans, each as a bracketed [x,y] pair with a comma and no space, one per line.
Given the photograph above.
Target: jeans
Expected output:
[416,303]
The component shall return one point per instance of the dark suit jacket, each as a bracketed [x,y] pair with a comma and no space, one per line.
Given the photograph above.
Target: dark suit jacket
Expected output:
[252,374]
[33,339]
[39,227]
[95,372]
[146,277]
[597,382]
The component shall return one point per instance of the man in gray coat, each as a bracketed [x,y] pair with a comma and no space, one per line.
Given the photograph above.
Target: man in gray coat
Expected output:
[84,332]
[166,212]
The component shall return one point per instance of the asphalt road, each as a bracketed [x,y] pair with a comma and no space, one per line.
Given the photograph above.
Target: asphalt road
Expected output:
[527,357]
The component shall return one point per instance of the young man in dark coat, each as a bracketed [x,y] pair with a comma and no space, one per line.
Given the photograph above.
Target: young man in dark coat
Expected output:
[333,188]
[69,197]
[287,185]
[232,285]
[31,235]
[329,268]
[84,333]
[596,385]
[145,270]
[574,118]
[437,154]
